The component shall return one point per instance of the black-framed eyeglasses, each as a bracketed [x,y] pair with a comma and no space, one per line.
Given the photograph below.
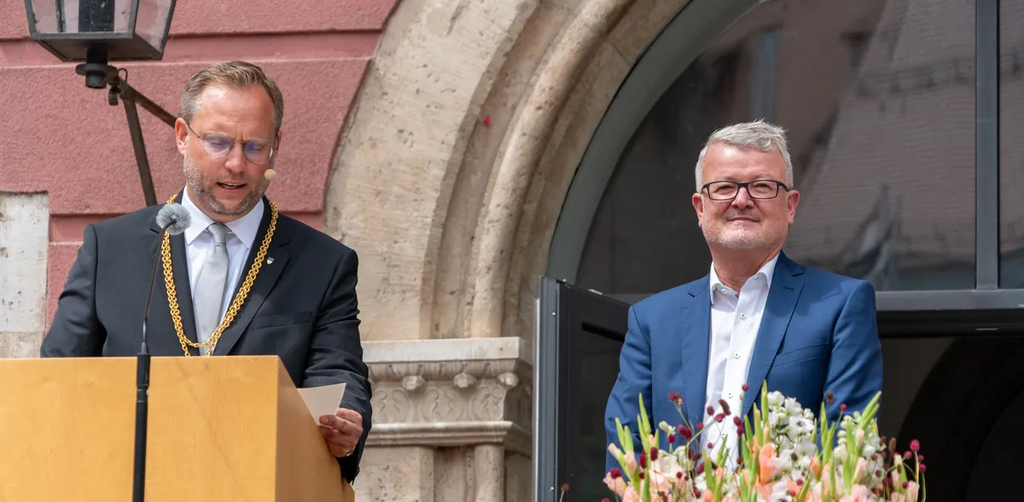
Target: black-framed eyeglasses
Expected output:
[219,146]
[756,189]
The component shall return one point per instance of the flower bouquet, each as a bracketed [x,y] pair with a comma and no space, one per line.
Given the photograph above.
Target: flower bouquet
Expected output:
[784,454]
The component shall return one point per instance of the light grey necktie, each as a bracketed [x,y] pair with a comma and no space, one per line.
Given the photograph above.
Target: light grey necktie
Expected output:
[212,284]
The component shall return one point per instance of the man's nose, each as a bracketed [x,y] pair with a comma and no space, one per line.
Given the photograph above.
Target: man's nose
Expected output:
[742,198]
[235,161]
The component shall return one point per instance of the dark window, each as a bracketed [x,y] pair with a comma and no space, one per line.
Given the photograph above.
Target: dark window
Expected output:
[878,98]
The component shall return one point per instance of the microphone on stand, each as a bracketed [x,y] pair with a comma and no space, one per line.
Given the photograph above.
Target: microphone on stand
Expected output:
[172,219]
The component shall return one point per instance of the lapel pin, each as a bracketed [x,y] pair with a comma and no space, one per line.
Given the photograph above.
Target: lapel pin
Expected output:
[270,260]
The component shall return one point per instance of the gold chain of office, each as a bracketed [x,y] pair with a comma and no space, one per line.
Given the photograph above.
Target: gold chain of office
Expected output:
[236,304]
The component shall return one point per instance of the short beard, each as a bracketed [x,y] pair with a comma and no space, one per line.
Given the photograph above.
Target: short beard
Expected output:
[199,185]
[742,239]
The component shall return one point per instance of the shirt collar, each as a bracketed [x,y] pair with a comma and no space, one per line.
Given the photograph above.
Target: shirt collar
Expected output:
[767,271]
[244,228]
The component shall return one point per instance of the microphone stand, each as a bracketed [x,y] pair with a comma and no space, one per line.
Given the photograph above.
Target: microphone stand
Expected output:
[142,390]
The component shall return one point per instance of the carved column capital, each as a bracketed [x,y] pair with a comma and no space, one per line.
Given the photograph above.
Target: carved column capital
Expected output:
[453,392]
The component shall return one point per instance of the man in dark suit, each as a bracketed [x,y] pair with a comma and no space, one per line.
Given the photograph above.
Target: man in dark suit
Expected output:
[757,316]
[247,280]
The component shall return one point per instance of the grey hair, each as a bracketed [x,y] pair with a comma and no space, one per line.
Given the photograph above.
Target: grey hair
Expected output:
[235,75]
[757,134]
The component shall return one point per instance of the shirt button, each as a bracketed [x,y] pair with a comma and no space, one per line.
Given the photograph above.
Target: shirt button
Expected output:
[730,394]
[743,316]
[736,355]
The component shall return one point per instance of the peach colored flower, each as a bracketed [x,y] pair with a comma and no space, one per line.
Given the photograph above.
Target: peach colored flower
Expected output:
[862,469]
[765,490]
[617,485]
[859,493]
[630,495]
[614,450]
[707,496]
[816,467]
[766,463]
[912,489]
[659,483]
[792,488]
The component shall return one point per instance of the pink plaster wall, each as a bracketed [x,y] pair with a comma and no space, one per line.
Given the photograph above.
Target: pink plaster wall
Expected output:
[62,138]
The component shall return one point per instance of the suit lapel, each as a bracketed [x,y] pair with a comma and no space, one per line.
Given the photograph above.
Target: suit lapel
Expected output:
[778,310]
[265,279]
[695,340]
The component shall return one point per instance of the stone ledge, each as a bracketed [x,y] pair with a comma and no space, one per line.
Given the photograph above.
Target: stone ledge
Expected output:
[453,392]
[513,437]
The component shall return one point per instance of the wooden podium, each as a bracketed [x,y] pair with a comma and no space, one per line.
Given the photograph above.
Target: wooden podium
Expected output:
[220,429]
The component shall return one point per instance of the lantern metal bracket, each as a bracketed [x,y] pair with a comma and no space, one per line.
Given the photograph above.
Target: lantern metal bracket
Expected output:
[99,75]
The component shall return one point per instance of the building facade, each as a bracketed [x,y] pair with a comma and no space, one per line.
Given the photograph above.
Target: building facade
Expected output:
[466,148]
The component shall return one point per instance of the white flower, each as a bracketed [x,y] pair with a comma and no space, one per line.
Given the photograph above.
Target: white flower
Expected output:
[840,453]
[775,399]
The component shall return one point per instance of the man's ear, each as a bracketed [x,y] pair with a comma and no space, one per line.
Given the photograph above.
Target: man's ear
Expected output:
[181,135]
[698,206]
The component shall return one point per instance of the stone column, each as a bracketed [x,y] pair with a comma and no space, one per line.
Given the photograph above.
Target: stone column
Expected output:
[467,400]
[24,237]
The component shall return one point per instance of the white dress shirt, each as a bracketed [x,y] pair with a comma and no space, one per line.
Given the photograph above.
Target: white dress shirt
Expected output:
[199,243]
[735,321]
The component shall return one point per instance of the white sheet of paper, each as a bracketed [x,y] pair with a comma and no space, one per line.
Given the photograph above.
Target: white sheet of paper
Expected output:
[323,400]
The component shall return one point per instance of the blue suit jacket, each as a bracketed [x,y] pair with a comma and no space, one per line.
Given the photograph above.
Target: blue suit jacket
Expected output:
[818,334]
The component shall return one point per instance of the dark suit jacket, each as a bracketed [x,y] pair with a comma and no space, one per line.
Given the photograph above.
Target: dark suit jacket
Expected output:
[818,334]
[302,307]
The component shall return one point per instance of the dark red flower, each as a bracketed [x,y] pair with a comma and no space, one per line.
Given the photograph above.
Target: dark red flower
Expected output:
[920,467]
[615,473]
[699,469]
[738,421]
[906,454]
[842,407]
[654,453]
[685,432]
[700,426]
[565,487]
[719,417]
[710,446]
[679,474]
[920,458]
[725,406]
[745,387]
[643,461]
[675,398]
[671,439]
[915,445]
[710,410]
[829,398]
[740,430]
[641,475]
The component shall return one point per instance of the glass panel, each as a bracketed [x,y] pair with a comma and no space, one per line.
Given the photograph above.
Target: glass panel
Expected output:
[1011,143]
[81,16]
[878,99]
[152,22]
[44,16]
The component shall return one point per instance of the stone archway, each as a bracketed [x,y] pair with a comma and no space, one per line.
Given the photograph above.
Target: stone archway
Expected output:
[448,181]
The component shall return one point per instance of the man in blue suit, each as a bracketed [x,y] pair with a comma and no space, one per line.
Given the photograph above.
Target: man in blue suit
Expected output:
[757,316]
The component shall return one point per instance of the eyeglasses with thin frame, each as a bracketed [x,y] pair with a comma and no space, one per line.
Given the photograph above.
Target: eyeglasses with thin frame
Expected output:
[218,146]
[756,189]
